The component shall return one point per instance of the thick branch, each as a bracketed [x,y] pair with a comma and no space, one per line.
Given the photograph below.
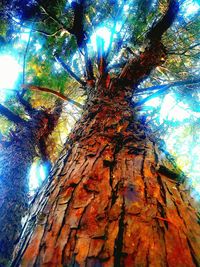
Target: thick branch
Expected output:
[101,56]
[78,31]
[50,91]
[154,55]
[78,24]
[157,30]
[67,68]
[140,67]
[10,115]
[89,68]
[27,106]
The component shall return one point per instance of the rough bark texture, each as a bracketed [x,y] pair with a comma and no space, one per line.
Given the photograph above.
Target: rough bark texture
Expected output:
[16,158]
[114,199]
[14,161]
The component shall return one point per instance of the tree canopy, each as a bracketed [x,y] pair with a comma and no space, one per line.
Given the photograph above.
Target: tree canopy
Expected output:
[56,51]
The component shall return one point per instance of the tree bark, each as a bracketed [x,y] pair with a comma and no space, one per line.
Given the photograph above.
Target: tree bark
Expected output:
[16,158]
[115,198]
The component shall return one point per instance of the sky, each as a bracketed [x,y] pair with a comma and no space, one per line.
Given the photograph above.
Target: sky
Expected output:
[10,71]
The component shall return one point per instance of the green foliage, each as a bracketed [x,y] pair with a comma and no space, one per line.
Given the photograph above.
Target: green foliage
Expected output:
[6,126]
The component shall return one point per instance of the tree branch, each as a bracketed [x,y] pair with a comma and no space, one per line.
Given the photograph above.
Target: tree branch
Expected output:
[162,89]
[78,31]
[185,51]
[39,31]
[139,68]
[101,55]
[51,16]
[177,83]
[160,27]
[50,91]
[113,31]
[156,94]
[78,25]
[27,106]
[10,115]
[47,33]
[71,73]
[89,68]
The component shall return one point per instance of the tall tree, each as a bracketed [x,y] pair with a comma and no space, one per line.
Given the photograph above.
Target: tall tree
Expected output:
[27,141]
[115,196]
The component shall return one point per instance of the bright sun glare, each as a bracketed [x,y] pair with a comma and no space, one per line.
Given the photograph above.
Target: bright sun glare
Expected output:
[190,8]
[105,34]
[171,111]
[9,72]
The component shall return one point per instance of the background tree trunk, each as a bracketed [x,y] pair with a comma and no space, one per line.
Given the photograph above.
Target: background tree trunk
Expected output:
[16,158]
[115,199]
[15,161]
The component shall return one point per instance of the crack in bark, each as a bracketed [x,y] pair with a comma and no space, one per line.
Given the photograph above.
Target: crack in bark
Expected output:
[28,237]
[162,213]
[143,177]
[118,147]
[168,189]
[113,190]
[194,257]
[162,189]
[100,153]
[161,230]
[177,209]
[155,154]
[147,258]
[119,239]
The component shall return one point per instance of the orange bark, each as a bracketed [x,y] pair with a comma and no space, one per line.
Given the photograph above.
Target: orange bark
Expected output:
[107,204]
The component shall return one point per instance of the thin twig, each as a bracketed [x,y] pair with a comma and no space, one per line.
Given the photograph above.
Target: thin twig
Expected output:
[185,51]
[51,16]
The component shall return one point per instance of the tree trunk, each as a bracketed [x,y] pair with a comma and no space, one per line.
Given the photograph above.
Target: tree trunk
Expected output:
[16,159]
[115,199]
